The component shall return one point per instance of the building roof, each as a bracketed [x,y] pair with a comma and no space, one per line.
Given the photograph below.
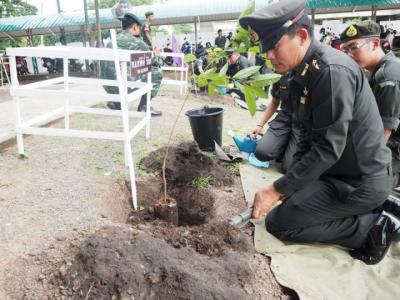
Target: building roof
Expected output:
[166,13]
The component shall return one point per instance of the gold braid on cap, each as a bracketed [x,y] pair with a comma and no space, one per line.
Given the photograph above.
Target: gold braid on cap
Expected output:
[253,35]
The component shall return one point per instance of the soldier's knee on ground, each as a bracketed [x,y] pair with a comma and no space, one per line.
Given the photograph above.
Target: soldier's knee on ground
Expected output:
[272,224]
[264,154]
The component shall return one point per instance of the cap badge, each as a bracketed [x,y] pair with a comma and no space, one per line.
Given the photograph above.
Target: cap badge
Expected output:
[253,35]
[352,31]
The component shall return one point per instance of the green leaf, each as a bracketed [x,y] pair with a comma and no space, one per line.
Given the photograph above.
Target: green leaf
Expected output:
[239,86]
[258,91]
[218,80]
[211,90]
[250,98]
[245,73]
[223,70]
[202,80]
[208,72]
[264,79]
[268,63]
[188,58]
[269,76]
[255,49]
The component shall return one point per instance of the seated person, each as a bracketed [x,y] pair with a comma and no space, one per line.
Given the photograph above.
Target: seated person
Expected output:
[236,62]
[281,138]
[201,65]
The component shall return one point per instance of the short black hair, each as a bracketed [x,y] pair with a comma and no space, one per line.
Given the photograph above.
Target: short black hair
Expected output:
[148,13]
[305,23]
[219,30]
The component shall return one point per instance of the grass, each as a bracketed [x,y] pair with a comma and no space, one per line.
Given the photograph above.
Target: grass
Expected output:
[234,167]
[92,162]
[200,182]
[119,157]
[22,156]
[137,157]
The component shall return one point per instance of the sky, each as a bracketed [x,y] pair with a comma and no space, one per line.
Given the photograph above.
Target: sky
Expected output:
[50,6]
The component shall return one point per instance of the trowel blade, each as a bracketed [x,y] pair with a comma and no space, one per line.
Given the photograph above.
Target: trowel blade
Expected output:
[220,153]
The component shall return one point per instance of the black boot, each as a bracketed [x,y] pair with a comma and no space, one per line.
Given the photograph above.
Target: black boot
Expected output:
[385,230]
[392,205]
[143,107]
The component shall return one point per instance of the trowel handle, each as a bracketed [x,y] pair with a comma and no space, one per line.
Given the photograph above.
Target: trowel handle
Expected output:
[242,217]
[246,215]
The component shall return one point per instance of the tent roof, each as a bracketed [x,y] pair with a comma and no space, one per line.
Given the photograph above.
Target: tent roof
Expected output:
[171,12]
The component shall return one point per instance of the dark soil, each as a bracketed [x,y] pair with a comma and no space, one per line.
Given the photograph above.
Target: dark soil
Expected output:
[199,257]
[186,162]
[120,263]
[167,210]
[195,205]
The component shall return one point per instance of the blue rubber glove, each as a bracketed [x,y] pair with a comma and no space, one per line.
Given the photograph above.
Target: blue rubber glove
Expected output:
[257,163]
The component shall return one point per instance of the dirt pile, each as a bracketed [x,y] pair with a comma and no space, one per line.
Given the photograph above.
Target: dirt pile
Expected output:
[185,163]
[120,263]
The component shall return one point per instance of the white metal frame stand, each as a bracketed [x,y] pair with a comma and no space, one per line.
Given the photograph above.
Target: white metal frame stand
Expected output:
[94,89]
[183,69]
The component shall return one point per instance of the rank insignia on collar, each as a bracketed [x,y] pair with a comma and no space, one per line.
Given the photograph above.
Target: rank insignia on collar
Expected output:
[254,35]
[304,72]
[352,31]
[305,92]
[315,64]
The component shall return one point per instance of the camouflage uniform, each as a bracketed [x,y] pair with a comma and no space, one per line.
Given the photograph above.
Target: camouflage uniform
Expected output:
[127,41]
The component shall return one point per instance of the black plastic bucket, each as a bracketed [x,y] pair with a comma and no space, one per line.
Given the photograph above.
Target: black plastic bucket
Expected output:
[206,124]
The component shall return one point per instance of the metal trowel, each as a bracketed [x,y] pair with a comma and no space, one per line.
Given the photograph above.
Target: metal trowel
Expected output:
[221,155]
[242,219]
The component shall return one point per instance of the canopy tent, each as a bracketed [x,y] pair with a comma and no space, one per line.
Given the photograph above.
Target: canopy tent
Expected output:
[170,12]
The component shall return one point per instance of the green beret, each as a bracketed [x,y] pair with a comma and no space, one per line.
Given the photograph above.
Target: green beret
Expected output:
[362,29]
[130,18]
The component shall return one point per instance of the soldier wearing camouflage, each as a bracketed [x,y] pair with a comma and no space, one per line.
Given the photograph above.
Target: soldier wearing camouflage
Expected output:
[126,40]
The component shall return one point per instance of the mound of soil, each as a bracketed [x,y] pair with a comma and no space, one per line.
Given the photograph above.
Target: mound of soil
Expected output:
[117,263]
[186,162]
[211,239]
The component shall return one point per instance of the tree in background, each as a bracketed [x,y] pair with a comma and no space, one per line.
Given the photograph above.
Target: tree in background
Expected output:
[183,28]
[111,3]
[15,8]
